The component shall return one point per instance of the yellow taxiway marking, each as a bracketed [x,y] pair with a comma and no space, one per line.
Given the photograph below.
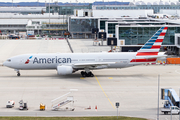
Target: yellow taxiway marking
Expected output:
[110,77]
[104,92]
[81,78]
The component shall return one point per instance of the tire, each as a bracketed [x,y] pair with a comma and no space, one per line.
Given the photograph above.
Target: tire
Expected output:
[18,74]
[91,74]
[88,74]
[165,113]
[83,74]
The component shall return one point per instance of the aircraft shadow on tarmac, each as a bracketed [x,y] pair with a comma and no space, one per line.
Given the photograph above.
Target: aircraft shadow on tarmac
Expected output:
[109,75]
[55,76]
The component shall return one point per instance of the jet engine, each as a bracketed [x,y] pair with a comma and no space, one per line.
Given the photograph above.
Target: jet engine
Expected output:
[64,70]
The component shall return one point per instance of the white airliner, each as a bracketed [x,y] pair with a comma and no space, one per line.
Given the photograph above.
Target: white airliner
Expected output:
[68,63]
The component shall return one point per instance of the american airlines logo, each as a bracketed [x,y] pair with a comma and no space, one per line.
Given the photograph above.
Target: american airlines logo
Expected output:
[28,60]
[51,60]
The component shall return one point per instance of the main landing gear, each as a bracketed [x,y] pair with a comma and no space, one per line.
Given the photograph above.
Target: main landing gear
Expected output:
[85,74]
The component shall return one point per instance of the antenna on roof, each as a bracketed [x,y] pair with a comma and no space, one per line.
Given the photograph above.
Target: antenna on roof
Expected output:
[38,3]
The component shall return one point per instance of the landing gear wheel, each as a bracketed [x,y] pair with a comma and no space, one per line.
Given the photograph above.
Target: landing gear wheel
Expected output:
[83,74]
[92,75]
[18,74]
[89,74]
[165,113]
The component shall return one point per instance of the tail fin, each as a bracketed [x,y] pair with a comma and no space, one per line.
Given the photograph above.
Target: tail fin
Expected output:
[152,46]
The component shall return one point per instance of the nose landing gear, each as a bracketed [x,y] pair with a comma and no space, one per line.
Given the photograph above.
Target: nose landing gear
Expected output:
[18,73]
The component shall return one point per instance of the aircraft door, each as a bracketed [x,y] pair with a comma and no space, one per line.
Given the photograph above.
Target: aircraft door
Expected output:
[99,59]
[22,61]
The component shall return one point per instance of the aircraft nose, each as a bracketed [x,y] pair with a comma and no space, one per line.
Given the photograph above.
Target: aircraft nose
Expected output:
[4,64]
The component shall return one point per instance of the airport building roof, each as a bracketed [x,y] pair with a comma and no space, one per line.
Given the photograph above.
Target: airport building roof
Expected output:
[23,10]
[154,3]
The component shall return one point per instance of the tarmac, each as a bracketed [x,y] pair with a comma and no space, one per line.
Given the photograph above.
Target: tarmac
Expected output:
[135,88]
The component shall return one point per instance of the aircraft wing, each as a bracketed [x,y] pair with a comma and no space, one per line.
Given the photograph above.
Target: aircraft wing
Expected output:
[95,64]
[150,57]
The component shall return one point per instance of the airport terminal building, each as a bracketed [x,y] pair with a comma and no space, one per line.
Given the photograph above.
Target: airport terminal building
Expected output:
[11,23]
[156,6]
[133,31]
[133,26]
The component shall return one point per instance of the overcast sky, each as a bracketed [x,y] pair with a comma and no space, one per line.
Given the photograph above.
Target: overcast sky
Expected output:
[83,0]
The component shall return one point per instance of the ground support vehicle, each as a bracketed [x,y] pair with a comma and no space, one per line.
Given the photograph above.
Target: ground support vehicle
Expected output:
[42,106]
[172,109]
[22,105]
[13,37]
[10,104]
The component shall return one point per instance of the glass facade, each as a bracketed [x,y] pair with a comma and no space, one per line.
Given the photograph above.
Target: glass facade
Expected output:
[111,28]
[102,25]
[156,8]
[82,25]
[140,35]
[66,9]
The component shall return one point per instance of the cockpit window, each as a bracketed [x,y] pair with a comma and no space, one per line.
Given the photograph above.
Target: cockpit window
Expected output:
[9,60]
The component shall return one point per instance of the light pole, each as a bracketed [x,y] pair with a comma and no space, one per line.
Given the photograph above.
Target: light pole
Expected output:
[37,3]
[102,36]
[158,99]
[179,103]
[49,17]
[117,105]
[171,106]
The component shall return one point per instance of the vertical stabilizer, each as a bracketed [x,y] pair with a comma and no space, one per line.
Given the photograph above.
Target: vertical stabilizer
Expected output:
[153,45]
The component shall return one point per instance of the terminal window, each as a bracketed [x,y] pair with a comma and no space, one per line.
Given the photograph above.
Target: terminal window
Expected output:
[178,40]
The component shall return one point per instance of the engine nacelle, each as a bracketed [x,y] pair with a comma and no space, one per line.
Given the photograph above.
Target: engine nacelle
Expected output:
[64,70]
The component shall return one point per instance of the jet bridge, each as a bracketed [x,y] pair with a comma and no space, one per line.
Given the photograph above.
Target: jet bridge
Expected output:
[62,101]
[172,99]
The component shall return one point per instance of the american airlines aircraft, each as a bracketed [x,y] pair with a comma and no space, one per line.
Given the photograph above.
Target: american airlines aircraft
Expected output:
[68,63]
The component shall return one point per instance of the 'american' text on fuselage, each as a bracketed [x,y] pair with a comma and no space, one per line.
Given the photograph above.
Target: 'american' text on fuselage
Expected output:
[51,60]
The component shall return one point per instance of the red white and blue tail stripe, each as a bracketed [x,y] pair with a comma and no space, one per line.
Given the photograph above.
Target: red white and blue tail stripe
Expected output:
[152,46]
[149,52]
